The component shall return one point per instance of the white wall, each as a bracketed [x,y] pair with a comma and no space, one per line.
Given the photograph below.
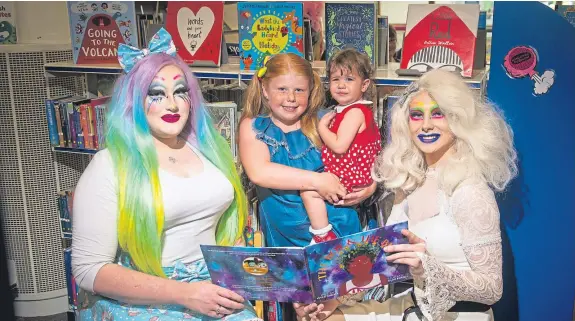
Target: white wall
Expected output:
[42,22]
[395,10]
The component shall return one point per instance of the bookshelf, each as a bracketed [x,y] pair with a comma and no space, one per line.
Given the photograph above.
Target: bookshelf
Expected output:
[383,76]
[386,80]
[74,150]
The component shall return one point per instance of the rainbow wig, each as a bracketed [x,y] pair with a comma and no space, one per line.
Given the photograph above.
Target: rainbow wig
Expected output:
[131,145]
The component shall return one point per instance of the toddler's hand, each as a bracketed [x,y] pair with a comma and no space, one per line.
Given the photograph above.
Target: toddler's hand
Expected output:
[326,120]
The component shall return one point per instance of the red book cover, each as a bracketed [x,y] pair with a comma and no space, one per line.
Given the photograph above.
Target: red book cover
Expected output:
[197,29]
[98,27]
[84,125]
[440,36]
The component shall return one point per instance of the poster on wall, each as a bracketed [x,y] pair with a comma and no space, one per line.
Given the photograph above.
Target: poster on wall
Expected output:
[440,36]
[7,23]
[269,28]
[350,25]
[197,29]
[98,27]
[567,12]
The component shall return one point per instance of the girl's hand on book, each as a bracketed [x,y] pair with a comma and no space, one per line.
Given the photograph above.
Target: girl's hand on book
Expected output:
[327,310]
[408,253]
[308,312]
[210,299]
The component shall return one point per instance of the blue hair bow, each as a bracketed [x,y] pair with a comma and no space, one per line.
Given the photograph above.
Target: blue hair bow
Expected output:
[161,42]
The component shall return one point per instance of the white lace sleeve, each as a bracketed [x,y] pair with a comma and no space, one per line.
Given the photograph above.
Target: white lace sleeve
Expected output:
[474,210]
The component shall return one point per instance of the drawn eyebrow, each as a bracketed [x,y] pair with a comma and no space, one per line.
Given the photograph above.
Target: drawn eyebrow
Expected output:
[177,77]
[161,78]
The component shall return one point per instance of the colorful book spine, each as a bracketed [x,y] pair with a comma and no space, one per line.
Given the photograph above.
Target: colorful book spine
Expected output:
[61,139]
[84,124]
[78,126]
[52,124]
[71,284]
[65,212]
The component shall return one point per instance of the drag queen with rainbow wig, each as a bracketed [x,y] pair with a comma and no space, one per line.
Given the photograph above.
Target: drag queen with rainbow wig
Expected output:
[165,184]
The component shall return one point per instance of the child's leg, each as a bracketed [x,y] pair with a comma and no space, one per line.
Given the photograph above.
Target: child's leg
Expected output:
[315,208]
[317,213]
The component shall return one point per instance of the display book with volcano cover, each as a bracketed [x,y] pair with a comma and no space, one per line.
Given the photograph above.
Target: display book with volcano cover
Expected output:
[313,273]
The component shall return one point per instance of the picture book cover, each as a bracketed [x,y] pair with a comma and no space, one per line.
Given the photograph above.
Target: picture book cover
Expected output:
[317,272]
[7,23]
[197,29]
[440,36]
[269,28]
[98,27]
[350,25]
[224,116]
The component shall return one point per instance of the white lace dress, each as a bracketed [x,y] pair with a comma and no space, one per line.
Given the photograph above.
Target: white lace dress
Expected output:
[463,260]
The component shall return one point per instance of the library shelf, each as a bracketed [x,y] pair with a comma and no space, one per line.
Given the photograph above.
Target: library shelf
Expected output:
[384,76]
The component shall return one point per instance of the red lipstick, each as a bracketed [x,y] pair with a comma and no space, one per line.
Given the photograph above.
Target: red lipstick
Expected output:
[171,118]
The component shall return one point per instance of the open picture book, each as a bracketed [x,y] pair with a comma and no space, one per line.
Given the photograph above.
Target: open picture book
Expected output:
[313,273]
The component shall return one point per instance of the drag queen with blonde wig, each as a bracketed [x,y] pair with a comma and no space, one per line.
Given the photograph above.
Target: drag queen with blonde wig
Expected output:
[449,151]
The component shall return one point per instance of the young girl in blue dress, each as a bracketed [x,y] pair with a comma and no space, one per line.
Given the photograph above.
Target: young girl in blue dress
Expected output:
[280,152]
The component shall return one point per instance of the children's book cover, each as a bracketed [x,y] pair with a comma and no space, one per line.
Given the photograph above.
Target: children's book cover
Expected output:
[7,23]
[317,272]
[98,27]
[224,116]
[440,36]
[197,29]
[269,28]
[350,25]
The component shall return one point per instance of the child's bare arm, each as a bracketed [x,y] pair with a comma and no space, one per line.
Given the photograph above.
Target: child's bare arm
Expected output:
[351,124]
[255,158]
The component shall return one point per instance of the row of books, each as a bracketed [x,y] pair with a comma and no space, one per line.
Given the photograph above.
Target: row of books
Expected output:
[76,122]
[65,200]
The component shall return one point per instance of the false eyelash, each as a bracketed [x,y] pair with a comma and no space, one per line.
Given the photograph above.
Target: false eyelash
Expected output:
[155,99]
[185,97]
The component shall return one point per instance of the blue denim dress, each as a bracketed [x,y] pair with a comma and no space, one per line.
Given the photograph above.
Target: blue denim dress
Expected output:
[283,217]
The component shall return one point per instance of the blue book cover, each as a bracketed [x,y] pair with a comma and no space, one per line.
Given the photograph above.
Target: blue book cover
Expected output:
[51,119]
[317,272]
[98,27]
[268,28]
[350,25]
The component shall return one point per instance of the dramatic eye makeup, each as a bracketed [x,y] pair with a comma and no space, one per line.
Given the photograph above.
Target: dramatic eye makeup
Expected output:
[182,91]
[436,113]
[156,93]
[416,113]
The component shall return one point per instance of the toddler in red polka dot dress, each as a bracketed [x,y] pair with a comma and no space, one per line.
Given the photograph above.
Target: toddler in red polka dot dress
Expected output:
[351,138]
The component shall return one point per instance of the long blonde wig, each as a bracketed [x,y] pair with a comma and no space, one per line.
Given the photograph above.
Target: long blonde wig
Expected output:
[483,147]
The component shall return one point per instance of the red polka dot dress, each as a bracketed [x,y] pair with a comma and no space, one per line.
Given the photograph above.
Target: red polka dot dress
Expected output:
[354,167]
